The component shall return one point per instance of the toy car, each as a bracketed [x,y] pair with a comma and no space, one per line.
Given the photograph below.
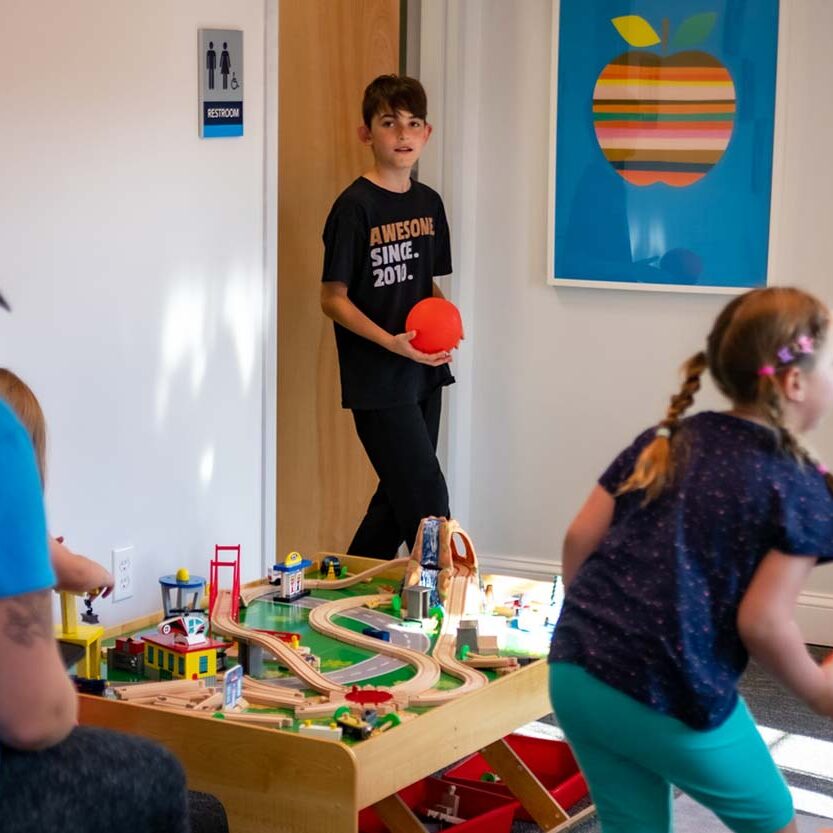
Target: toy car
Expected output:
[186,629]
[377,633]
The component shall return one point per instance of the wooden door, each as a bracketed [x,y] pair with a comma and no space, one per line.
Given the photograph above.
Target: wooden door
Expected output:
[328,52]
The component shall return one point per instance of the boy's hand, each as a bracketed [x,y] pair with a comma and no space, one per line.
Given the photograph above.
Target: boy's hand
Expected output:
[401,345]
[106,587]
[77,573]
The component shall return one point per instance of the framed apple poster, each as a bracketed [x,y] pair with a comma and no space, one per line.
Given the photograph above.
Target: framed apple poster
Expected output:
[664,118]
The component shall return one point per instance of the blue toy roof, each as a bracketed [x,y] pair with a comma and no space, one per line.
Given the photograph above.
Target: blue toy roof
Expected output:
[301,565]
[194,582]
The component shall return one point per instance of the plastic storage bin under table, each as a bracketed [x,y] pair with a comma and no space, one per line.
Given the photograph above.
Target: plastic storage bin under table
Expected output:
[483,811]
[551,761]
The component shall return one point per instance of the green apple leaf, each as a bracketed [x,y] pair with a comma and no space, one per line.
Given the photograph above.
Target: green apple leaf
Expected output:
[693,31]
[636,30]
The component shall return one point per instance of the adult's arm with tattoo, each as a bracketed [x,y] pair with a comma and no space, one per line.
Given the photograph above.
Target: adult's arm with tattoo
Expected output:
[38,705]
[28,618]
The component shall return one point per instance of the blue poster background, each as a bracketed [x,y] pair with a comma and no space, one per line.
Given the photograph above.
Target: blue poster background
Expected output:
[714,232]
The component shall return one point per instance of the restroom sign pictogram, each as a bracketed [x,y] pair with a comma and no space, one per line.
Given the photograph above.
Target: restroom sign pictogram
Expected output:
[220,63]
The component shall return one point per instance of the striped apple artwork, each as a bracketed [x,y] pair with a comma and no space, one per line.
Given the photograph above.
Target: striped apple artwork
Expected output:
[664,118]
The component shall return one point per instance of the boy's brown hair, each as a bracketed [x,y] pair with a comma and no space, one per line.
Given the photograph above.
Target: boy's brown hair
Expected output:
[394,92]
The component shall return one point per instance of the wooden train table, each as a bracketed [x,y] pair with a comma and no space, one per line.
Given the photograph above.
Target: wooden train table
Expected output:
[272,780]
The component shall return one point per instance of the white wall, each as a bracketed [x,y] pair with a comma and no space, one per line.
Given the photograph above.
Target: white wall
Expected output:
[555,381]
[133,256]
[133,253]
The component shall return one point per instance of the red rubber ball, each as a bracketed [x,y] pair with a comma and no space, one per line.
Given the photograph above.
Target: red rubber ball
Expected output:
[437,323]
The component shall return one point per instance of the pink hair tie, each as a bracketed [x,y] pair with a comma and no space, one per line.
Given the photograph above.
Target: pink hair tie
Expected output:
[766,370]
[822,469]
[805,344]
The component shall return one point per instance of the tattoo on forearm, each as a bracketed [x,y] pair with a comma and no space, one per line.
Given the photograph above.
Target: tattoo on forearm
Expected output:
[25,619]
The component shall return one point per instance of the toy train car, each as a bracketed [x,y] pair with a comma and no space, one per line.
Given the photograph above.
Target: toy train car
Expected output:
[127,655]
[358,727]
[330,561]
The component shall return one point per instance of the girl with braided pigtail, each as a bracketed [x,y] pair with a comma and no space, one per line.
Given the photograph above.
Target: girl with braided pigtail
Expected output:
[687,557]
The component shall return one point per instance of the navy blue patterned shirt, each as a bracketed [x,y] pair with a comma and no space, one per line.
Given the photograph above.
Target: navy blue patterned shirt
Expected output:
[652,612]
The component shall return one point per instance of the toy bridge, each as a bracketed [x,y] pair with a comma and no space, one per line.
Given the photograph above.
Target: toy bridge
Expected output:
[214,579]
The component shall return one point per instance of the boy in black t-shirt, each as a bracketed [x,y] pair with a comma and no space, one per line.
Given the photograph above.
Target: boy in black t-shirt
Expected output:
[385,239]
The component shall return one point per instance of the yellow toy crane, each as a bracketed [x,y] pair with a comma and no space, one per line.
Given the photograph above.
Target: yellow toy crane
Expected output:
[88,636]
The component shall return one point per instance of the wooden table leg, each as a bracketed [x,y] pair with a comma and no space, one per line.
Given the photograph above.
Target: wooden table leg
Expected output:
[523,784]
[397,816]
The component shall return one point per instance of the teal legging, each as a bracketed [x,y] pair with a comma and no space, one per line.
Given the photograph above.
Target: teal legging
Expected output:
[631,755]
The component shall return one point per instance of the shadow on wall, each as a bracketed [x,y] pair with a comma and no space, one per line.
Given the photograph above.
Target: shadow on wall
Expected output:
[603,240]
[197,331]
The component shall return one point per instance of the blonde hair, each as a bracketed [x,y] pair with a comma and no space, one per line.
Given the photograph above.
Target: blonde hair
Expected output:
[747,337]
[19,397]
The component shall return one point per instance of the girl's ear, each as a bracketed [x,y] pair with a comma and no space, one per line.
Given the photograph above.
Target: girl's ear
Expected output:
[793,384]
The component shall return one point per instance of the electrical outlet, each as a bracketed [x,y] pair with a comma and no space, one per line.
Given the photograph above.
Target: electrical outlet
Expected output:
[123,573]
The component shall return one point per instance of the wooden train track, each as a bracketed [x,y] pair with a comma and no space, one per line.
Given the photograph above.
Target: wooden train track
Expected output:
[264,588]
[427,668]
[222,623]
[445,649]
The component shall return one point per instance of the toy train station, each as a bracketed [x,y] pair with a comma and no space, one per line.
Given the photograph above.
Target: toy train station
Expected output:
[170,659]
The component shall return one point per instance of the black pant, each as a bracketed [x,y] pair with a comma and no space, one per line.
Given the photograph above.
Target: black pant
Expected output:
[95,781]
[401,443]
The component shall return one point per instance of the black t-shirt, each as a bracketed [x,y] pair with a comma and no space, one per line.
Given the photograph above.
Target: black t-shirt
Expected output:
[387,247]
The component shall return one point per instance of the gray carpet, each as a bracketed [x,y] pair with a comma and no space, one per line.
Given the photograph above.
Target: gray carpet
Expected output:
[773,708]
[690,817]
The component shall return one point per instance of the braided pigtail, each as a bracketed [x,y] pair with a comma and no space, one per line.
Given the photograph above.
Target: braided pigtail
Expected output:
[654,467]
[770,400]
[789,442]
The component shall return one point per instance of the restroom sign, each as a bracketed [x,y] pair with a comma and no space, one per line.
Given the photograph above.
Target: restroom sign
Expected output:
[220,62]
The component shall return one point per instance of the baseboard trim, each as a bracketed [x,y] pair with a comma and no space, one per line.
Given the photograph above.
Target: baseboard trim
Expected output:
[814,613]
[517,565]
[814,616]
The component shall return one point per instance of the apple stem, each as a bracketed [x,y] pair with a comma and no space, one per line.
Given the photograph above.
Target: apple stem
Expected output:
[665,26]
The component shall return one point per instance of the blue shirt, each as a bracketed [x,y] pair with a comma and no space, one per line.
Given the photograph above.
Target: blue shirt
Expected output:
[24,555]
[652,612]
